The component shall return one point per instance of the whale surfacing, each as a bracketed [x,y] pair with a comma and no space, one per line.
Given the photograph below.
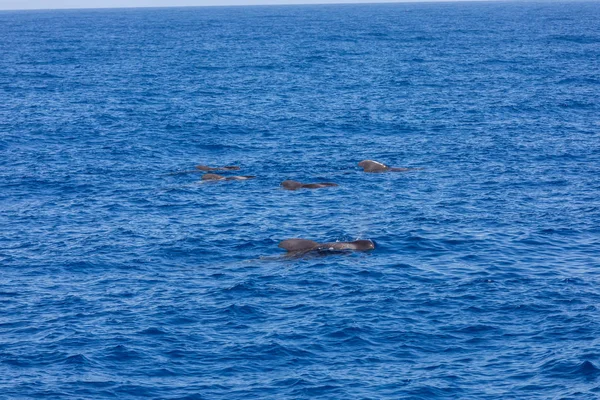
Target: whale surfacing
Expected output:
[295,185]
[375,166]
[215,177]
[303,246]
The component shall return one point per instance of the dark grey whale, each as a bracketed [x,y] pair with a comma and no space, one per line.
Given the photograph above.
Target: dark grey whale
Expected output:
[215,177]
[303,246]
[295,185]
[375,166]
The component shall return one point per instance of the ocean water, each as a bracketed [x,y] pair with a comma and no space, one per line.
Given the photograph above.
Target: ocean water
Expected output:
[121,276]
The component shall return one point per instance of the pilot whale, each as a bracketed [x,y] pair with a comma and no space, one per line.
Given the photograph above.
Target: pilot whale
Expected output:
[295,185]
[215,177]
[303,246]
[375,166]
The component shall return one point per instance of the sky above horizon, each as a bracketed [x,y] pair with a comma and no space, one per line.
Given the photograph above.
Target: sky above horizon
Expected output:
[57,4]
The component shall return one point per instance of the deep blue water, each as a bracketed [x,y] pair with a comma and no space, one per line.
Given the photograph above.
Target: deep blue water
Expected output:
[120,278]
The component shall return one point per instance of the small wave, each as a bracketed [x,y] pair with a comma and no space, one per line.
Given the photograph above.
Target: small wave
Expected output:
[196,396]
[219,147]
[293,382]
[258,67]
[161,372]
[434,392]
[38,75]
[477,329]
[577,104]
[210,67]
[579,81]
[345,333]
[136,391]
[581,39]
[370,274]
[357,341]
[318,390]
[569,369]
[588,369]
[78,359]
[152,331]
[121,353]
[15,362]
[243,310]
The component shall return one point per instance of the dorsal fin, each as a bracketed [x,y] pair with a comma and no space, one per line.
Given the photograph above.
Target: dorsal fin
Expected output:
[298,245]
[291,185]
[372,166]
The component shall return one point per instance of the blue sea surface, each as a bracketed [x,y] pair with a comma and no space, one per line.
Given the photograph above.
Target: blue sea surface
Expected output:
[122,276]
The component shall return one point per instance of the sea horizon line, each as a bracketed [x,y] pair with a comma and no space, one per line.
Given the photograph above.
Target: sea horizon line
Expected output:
[280,4]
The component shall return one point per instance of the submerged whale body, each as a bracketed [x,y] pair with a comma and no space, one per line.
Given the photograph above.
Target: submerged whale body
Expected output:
[303,246]
[226,168]
[375,166]
[215,177]
[295,185]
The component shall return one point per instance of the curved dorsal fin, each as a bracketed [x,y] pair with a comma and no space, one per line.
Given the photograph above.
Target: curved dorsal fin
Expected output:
[291,185]
[372,166]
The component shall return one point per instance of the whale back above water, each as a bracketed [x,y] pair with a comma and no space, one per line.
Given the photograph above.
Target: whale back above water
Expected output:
[295,185]
[318,185]
[212,177]
[291,185]
[376,166]
[216,177]
[357,245]
[293,245]
[302,246]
